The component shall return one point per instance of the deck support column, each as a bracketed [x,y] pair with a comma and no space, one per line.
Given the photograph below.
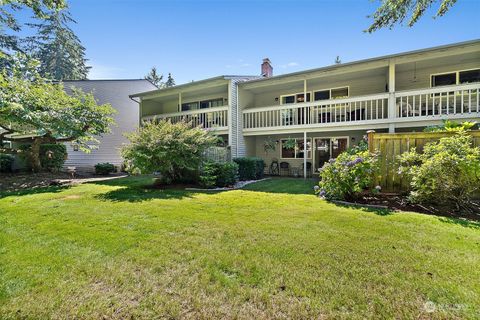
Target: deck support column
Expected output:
[179,102]
[305,154]
[391,96]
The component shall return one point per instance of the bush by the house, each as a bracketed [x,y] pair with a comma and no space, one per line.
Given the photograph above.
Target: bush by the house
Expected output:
[447,173]
[174,150]
[104,168]
[52,156]
[250,168]
[345,177]
[215,174]
[6,162]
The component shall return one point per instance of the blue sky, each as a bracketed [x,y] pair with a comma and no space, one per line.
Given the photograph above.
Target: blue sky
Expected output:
[200,39]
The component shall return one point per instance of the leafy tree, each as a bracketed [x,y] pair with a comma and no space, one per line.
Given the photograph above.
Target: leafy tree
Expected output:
[155,78]
[10,42]
[173,150]
[392,12]
[36,111]
[58,49]
[170,81]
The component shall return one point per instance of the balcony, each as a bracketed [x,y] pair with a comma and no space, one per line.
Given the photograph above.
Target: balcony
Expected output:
[450,102]
[211,119]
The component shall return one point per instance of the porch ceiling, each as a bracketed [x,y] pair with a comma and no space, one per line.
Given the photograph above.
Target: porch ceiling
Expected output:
[192,93]
[450,60]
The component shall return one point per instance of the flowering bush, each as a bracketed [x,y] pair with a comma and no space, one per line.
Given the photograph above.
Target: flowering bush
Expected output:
[446,173]
[345,177]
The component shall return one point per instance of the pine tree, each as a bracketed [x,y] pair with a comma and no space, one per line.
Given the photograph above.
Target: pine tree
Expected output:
[170,81]
[59,50]
[155,78]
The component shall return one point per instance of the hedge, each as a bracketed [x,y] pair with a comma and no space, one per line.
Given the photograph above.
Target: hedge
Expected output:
[6,163]
[104,168]
[250,168]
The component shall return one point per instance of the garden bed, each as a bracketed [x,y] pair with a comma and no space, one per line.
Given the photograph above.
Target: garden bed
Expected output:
[399,202]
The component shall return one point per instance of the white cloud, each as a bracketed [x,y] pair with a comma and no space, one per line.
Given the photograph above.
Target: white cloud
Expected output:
[289,65]
[101,71]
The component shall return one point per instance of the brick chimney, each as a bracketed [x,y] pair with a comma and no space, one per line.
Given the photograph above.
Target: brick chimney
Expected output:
[267,69]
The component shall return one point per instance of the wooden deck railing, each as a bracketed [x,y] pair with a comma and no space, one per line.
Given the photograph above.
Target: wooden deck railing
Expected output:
[212,118]
[328,112]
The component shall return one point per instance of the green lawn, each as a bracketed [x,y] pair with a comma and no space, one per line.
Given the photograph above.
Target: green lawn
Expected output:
[118,250]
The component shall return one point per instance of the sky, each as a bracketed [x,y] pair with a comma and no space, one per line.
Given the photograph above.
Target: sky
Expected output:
[196,39]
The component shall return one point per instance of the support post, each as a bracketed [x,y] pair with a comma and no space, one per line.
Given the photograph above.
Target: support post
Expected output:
[391,96]
[305,154]
[370,134]
[179,102]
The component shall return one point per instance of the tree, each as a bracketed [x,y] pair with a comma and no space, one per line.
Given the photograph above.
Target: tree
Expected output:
[392,12]
[36,111]
[337,60]
[170,81]
[173,150]
[59,50]
[10,42]
[155,78]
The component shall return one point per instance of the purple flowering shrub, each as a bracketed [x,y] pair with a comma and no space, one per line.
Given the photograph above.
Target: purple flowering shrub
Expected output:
[345,177]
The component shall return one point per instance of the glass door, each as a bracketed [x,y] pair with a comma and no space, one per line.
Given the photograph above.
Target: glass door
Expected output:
[322,152]
[339,145]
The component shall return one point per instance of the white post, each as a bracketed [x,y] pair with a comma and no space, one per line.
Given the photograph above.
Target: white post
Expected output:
[304,154]
[391,96]
[179,102]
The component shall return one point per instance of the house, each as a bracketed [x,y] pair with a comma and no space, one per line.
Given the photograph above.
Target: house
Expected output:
[300,120]
[116,93]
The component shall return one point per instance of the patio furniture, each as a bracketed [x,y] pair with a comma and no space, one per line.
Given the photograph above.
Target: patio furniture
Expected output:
[284,168]
[309,169]
[72,171]
[274,168]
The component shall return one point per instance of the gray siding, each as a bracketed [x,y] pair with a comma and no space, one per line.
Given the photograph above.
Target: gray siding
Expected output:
[115,92]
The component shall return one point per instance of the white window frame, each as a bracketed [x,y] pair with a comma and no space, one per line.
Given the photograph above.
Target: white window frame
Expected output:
[281,148]
[330,91]
[198,103]
[457,76]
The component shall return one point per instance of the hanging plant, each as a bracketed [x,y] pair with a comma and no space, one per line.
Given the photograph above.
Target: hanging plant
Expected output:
[269,145]
[290,143]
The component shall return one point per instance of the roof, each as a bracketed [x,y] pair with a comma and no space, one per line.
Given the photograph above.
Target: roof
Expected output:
[390,56]
[190,84]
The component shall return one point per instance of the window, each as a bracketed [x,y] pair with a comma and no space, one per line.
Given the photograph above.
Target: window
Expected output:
[333,93]
[189,106]
[218,102]
[455,77]
[295,98]
[297,151]
[469,76]
[444,79]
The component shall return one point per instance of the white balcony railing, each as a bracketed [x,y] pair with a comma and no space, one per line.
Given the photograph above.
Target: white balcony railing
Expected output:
[442,102]
[372,108]
[211,118]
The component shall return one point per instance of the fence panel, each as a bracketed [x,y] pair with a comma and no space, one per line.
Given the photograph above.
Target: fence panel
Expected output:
[218,154]
[390,145]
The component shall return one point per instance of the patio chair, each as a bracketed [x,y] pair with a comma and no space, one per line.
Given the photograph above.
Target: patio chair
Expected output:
[274,168]
[309,169]
[284,168]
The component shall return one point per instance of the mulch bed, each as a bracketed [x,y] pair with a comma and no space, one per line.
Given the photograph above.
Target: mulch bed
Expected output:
[400,203]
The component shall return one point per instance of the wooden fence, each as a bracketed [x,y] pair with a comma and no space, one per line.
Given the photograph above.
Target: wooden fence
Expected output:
[391,145]
[218,154]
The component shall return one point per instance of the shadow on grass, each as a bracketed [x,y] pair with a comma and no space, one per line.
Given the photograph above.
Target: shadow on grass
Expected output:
[138,189]
[365,208]
[461,222]
[37,190]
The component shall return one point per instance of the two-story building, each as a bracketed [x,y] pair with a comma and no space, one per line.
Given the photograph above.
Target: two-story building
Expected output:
[322,112]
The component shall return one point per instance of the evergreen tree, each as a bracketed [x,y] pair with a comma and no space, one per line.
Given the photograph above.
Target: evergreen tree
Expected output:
[59,50]
[155,78]
[170,81]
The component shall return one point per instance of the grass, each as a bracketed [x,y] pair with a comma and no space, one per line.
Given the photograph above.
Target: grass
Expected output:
[118,250]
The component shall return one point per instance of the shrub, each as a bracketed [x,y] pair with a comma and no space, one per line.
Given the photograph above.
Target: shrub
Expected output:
[447,173]
[345,177]
[104,168]
[6,162]
[214,174]
[173,150]
[250,168]
[52,156]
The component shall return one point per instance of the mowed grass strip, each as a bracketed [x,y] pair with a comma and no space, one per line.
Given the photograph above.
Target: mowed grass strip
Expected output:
[119,250]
